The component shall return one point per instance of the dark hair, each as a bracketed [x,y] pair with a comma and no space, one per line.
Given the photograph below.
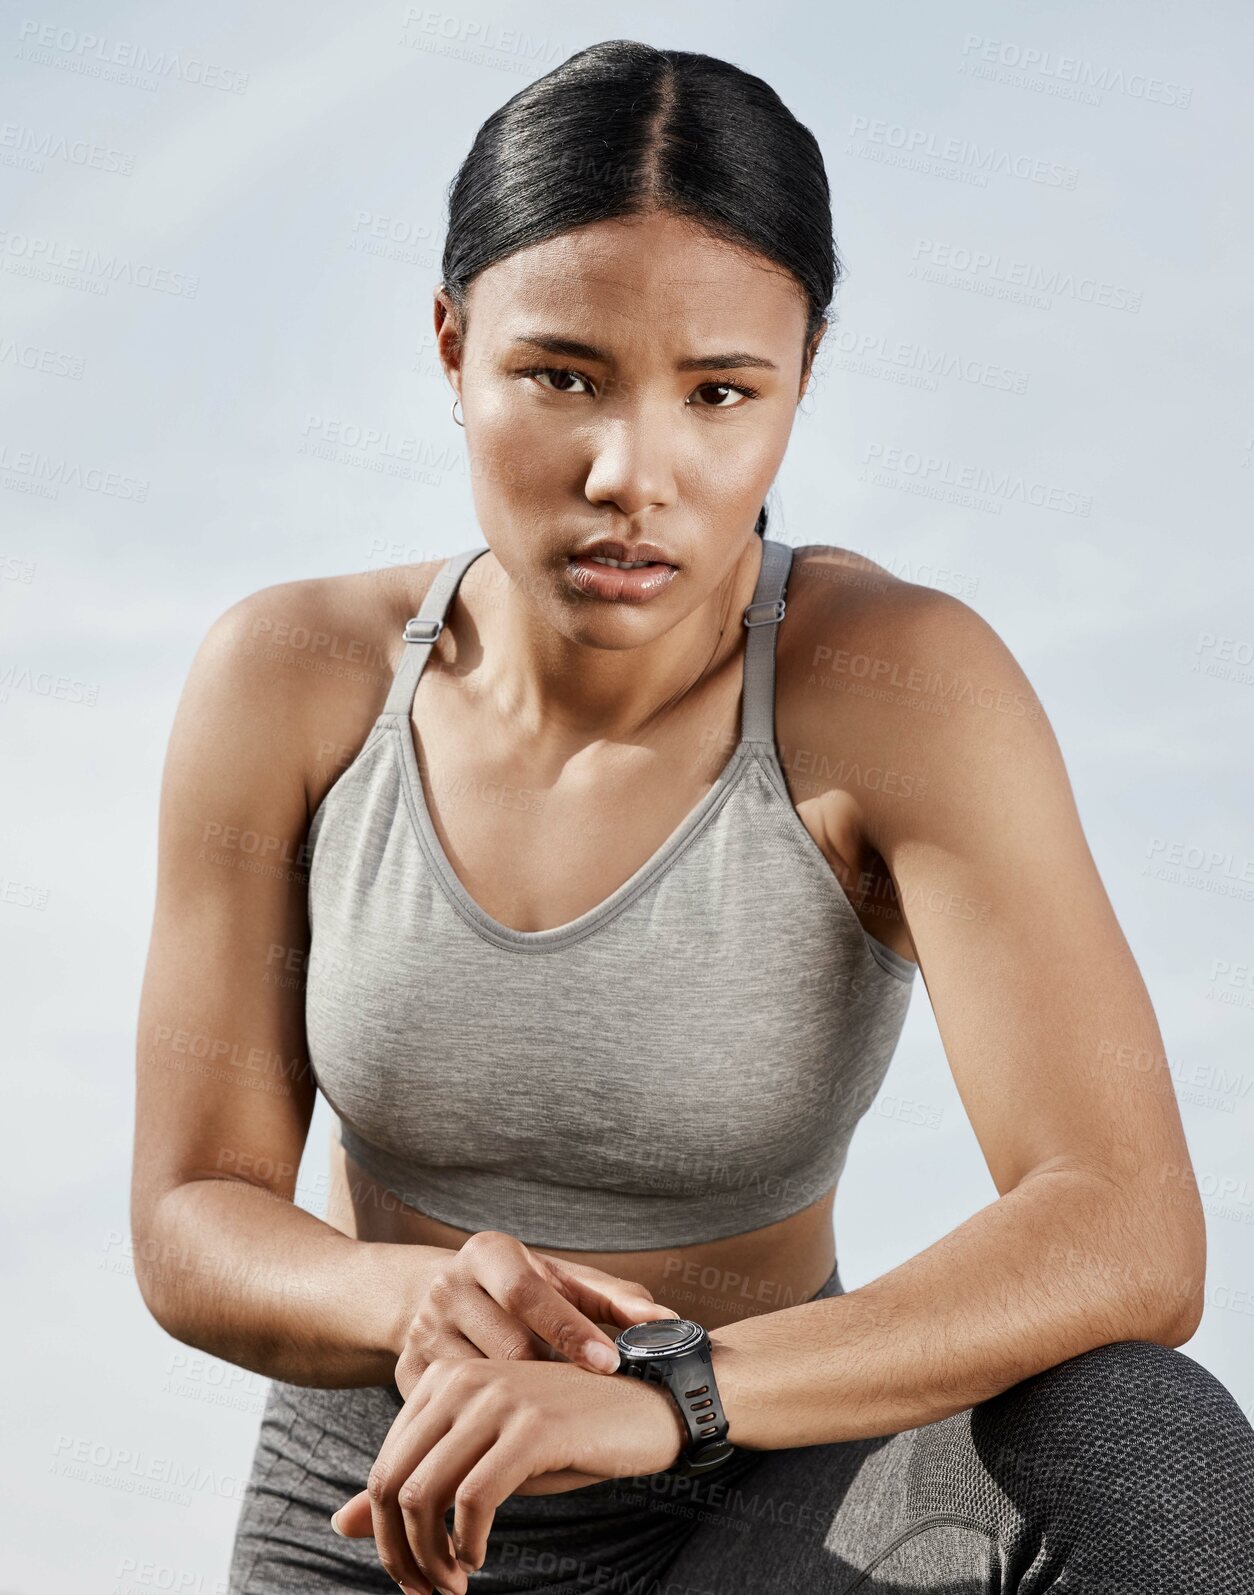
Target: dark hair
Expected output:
[623,129]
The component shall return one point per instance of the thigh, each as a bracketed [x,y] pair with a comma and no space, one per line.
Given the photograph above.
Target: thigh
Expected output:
[867,1515]
[1127,1468]
[315,1448]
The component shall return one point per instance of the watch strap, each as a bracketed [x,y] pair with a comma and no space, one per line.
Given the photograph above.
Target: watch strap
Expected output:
[690,1380]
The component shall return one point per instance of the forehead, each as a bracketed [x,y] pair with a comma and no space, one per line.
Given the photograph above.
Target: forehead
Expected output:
[655,276]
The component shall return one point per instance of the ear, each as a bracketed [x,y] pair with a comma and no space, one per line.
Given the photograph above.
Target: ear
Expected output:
[807,368]
[449,336]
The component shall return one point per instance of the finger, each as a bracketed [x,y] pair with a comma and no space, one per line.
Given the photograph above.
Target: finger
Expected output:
[595,1290]
[492,1332]
[499,1472]
[432,1488]
[354,1520]
[418,1426]
[604,1297]
[539,1303]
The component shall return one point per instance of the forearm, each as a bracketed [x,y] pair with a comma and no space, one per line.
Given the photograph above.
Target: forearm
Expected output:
[237,1272]
[1058,1265]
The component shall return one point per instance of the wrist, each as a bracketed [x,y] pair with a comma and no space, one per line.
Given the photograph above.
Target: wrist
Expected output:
[676,1428]
[728,1364]
[402,1272]
[676,1355]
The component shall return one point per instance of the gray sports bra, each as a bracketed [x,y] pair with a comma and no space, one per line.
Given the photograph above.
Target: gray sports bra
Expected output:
[687,1060]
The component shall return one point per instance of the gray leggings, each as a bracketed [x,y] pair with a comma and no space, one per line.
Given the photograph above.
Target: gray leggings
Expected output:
[1127,1469]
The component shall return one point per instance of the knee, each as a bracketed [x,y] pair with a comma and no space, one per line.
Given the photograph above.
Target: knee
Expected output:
[1127,1428]
[1132,1391]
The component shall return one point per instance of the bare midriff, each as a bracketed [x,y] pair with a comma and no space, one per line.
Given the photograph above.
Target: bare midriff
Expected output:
[715,1282]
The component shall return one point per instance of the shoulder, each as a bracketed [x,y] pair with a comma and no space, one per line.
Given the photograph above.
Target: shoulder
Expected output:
[865,627]
[318,612]
[836,585]
[893,685]
[312,659]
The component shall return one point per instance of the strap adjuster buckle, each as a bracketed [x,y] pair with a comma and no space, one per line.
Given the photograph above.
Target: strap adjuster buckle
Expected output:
[414,633]
[776,607]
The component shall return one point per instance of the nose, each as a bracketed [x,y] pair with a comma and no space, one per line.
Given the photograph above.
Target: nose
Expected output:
[632,460]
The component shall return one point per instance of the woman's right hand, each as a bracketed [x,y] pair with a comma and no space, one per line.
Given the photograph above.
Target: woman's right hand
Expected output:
[497,1298]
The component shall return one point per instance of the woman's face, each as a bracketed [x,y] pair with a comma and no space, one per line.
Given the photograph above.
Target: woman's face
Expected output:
[667,423]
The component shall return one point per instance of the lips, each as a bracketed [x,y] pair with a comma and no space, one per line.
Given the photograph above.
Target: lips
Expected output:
[627,553]
[625,582]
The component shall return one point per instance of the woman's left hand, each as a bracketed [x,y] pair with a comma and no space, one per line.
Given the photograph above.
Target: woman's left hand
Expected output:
[474,1430]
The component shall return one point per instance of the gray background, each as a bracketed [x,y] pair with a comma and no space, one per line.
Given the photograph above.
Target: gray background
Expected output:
[246,263]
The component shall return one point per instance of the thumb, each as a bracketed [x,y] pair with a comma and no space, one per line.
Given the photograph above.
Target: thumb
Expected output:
[354,1520]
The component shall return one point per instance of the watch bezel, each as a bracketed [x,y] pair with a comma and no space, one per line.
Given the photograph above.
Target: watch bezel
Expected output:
[694,1335]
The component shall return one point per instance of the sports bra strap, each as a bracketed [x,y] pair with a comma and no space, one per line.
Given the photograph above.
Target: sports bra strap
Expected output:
[757,709]
[757,713]
[422,630]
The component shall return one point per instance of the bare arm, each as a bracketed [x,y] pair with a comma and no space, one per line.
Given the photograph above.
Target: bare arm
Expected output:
[1098,1234]
[225,1261]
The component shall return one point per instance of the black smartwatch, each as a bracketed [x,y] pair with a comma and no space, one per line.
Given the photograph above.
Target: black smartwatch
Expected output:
[676,1353]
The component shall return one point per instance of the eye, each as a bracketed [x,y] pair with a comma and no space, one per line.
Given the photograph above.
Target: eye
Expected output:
[726,387]
[554,371]
[536,372]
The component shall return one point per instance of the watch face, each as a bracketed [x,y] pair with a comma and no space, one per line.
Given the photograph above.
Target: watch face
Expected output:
[659,1335]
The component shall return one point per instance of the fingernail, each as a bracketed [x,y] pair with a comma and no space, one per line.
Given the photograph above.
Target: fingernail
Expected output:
[604,1357]
[337,1527]
[466,1567]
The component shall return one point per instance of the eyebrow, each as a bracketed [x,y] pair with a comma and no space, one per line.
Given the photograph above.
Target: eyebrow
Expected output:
[734,360]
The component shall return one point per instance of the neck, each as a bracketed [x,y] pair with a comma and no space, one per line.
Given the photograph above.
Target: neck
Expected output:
[546,683]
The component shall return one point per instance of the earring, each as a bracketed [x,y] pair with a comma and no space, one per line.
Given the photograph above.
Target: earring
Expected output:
[460,423]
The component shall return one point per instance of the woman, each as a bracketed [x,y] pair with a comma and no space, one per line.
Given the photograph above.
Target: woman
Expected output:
[607,933]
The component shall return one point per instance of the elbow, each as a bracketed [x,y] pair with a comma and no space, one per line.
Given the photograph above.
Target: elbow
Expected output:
[163,1307]
[1180,1307]
[161,1267]
[1173,1319]
[1176,1275]
[152,1292]
[1182,1330]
